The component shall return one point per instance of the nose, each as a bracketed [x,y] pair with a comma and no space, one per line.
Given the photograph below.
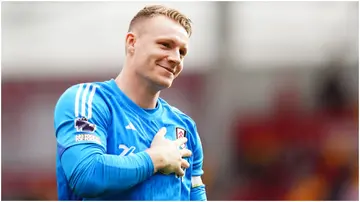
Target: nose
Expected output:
[174,57]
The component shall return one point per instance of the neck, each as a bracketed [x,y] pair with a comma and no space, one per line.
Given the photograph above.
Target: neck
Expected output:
[137,88]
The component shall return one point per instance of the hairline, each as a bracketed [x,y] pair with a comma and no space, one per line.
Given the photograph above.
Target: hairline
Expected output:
[135,24]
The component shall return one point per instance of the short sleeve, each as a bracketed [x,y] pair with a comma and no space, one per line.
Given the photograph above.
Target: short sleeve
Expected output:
[81,117]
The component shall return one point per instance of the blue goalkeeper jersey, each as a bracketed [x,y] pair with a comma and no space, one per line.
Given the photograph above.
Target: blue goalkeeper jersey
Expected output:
[101,138]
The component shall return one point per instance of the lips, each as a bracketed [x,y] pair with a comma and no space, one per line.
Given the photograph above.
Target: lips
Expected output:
[167,68]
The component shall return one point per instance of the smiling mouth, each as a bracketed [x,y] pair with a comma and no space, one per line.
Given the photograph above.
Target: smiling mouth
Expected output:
[169,69]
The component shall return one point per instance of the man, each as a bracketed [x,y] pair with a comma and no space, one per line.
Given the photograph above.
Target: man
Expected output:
[117,140]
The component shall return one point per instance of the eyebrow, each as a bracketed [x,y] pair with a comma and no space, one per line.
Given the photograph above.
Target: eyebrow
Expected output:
[173,41]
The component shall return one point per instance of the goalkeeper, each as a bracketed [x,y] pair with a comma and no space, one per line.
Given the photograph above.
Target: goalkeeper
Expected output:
[117,139]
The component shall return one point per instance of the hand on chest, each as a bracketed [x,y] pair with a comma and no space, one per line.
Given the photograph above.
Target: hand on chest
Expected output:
[136,137]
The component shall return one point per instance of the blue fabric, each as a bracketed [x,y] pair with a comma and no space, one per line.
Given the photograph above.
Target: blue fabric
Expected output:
[101,137]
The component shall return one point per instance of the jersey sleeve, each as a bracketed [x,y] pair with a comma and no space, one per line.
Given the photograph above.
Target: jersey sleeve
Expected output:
[81,124]
[198,192]
[80,117]
[197,169]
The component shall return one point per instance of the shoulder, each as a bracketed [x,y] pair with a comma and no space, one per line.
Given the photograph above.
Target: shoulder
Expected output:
[82,92]
[82,98]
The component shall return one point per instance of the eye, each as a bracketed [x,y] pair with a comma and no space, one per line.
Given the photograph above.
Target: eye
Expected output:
[165,45]
[182,52]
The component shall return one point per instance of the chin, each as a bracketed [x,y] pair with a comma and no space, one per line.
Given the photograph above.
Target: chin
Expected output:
[162,80]
[163,83]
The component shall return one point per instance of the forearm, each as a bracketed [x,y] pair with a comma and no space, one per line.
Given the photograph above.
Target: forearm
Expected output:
[95,174]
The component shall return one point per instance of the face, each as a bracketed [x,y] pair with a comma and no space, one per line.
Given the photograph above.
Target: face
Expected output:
[157,50]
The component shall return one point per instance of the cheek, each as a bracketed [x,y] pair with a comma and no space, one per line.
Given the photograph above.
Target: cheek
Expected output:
[145,52]
[179,70]
[154,54]
[144,60]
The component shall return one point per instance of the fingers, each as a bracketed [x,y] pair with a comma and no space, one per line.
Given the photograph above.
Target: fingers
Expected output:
[181,141]
[184,164]
[185,153]
[180,172]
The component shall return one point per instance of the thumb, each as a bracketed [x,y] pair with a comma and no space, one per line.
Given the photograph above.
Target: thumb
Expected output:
[161,133]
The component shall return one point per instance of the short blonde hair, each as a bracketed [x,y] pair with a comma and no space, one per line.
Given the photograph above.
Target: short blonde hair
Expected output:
[156,10]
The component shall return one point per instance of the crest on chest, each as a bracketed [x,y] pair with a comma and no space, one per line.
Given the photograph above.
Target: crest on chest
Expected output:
[180,133]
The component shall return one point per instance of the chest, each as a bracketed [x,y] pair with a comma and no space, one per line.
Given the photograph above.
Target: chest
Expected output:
[130,134]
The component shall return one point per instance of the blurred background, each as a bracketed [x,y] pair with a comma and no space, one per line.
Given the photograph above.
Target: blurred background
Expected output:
[273,87]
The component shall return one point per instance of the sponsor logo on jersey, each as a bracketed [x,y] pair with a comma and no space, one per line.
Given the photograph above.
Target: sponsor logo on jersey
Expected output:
[180,132]
[87,138]
[83,125]
[126,150]
[130,126]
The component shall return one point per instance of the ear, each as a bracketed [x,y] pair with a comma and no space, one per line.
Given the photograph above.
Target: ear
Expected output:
[130,43]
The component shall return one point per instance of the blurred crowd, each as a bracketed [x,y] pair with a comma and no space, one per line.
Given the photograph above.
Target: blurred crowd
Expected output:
[292,153]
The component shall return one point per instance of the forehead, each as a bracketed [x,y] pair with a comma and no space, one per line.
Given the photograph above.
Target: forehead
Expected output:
[162,27]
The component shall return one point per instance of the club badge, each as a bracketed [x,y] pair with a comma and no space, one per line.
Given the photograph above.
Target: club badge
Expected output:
[180,132]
